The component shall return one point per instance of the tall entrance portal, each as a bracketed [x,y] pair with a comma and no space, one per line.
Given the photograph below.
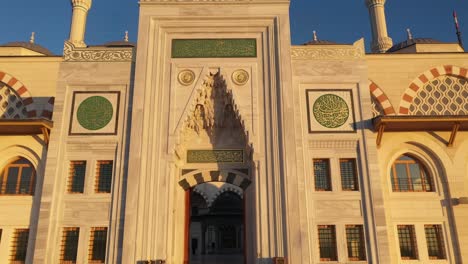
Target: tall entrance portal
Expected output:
[216,229]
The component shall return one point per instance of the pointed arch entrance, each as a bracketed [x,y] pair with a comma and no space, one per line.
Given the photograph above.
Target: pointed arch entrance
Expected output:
[215,224]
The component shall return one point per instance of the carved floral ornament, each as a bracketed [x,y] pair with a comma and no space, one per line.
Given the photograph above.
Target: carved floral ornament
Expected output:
[326,53]
[96,54]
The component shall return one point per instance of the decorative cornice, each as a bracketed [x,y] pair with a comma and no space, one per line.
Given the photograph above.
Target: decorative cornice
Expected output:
[333,144]
[96,54]
[329,52]
[382,45]
[86,4]
[371,3]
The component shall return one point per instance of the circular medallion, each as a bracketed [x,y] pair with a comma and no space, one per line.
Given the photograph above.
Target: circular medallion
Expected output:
[240,77]
[95,112]
[330,111]
[186,77]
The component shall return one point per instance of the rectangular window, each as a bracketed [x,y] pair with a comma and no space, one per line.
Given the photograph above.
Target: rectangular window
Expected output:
[327,243]
[19,246]
[97,245]
[349,179]
[322,175]
[435,241]
[355,242]
[76,177]
[408,245]
[69,249]
[104,176]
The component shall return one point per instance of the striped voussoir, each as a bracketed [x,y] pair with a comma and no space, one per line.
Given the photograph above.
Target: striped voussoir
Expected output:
[421,80]
[381,98]
[22,91]
[198,177]
[49,108]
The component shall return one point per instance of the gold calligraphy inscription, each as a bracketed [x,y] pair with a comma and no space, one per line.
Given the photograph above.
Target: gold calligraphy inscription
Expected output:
[331,111]
[214,156]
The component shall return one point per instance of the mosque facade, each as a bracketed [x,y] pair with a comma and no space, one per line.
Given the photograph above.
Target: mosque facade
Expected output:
[217,141]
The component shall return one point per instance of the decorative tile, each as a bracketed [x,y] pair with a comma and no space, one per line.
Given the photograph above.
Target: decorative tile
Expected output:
[214,48]
[330,110]
[94,113]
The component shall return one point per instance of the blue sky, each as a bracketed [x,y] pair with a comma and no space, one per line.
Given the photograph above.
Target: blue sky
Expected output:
[342,21]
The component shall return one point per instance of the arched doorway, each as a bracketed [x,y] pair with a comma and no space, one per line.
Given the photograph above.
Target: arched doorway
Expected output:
[216,229]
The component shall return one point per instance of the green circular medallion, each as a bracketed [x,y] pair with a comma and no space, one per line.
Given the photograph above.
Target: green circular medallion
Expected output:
[95,113]
[331,111]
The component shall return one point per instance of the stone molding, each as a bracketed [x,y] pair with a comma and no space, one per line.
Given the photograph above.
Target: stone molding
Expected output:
[85,4]
[96,54]
[421,80]
[329,52]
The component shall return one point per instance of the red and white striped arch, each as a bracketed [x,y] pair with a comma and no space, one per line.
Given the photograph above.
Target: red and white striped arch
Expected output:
[424,78]
[22,91]
[381,98]
[26,97]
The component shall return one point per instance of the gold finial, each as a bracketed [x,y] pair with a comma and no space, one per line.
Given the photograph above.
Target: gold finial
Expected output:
[33,38]
[315,35]
[126,36]
[410,36]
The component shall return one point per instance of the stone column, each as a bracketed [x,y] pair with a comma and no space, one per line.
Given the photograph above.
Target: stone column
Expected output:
[381,42]
[78,25]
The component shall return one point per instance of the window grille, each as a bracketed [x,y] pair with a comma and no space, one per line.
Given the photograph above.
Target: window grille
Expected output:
[409,175]
[322,175]
[69,248]
[435,241]
[11,104]
[97,245]
[349,179]
[18,178]
[19,246]
[407,239]
[327,243]
[76,178]
[444,95]
[104,176]
[355,242]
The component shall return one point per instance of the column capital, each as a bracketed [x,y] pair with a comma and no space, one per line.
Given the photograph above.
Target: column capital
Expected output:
[370,3]
[85,4]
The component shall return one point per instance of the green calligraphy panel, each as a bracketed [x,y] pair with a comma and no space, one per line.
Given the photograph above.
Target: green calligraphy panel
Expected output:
[215,156]
[214,48]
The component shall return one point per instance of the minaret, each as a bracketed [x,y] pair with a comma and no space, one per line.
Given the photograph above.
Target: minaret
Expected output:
[78,25]
[380,40]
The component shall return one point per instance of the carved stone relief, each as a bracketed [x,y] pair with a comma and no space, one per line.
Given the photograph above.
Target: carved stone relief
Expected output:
[96,54]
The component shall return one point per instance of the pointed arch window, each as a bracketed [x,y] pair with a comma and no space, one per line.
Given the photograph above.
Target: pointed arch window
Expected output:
[408,174]
[18,178]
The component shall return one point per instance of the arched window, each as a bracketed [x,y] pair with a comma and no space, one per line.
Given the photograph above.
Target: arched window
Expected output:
[11,104]
[18,178]
[409,175]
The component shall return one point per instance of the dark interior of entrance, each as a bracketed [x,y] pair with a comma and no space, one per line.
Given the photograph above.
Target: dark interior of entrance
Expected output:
[217,230]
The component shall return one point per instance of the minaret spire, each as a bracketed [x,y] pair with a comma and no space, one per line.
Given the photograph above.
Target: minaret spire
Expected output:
[315,35]
[33,38]
[410,35]
[457,27]
[381,42]
[78,25]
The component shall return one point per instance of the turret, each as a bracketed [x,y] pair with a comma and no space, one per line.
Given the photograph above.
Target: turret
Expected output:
[380,40]
[78,25]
